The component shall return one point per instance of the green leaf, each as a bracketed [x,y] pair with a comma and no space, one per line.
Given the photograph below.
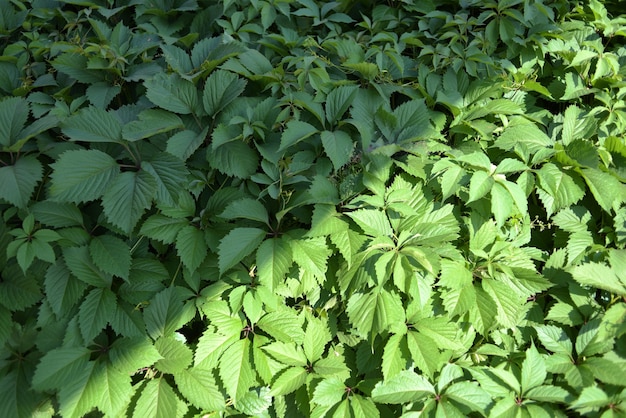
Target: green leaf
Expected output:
[424,353]
[286,353]
[198,386]
[284,325]
[246,208]
[533,370]
[184,143]
[220,89]
[211,346]
[172,93]
[60,366]
[79,262]
[311,255]
[151,122]
[13,116]
[508,304]
[158,400]
[406,386]
[57,214]
[480,184]
[552,394]
[237,244]
[79,395]
[295,132]
[606,189]
[164,314]
[329,392]
[176,356]
[94,312]
[273,259]
[600,276]
[17,399]
[236,370]
[557,189]
[93,124]
[19,180]
[316,336]
[129,195]
[395,356]
[554,339]
[111,255]
[191,246]
[376,312]
[82,175]
[128,355]
[338,101]
[234,158]
[363,407]
[289,381]
[372,221]
[163,228]
[338,146]
[501,204]
[591,397]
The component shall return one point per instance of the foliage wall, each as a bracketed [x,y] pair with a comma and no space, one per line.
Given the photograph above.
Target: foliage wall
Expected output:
[284,208]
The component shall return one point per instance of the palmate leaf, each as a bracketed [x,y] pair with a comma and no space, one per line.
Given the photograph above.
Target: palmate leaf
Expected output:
[111,255]
[128,196]
[19,180]
[82,175]
[94,312]
[376,312]
[93,124]
[237,244]
[158,400]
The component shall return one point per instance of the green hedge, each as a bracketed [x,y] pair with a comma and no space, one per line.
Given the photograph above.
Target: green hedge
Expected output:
[285,208]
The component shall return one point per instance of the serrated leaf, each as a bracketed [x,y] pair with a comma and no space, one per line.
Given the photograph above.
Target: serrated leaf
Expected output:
[127,198]
[424,353]
[554,339]
[211,346]
[163,228]
[286,353]
[395,356]
[164,313]
[158,400]
[480,184]
[82,175]
[552,394]
[13,116]
[79,395]
[470,395]
[198,386]
[114,389]
[311,255]
[406,386]
[329,392]
[338,146]
[236,370]
[176,356]
[172,93]
[191,246]
[78,261]
[151,122]
[111,255]
[273,259]
[94,312]
[57,214]
[246,208]
[60,366]
[560,190]
[128,355]
[316,336]
[221,88]
[237,244]
[372,221]
[376,312]
[533,369]
[284,325]
[348,242]
[289,381]
[295,132]
[234,158]
[606,189]
[501,203]
[600,276]
[508,303]
[93,124]
[184,143]
[19,180]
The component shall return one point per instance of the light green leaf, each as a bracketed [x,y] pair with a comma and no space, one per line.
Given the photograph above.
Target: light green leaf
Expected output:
[246,208]
[236,371]
[237,244]
[79,395]
[606,189]
[164,314]
[508,304]
[176,356]
[199,387]
[424,353]
[376,312]
[221,88]
[406,386]
[127,198]
[111,255]
[470,395]
[295,132]
[255,402]
[480,184]
[373,222]
[501,204]
[349,242]
[533,369]
[158,400]
[329,392]
[316,336]
[129,355]
[286,353]
[191,246]
[557,189]
[93,124]
[211,346]
[338,146]
[151,122]
[94,312]
[273,259]
[311,255]
[551,394]
[82,175]
[395,356]
[19,180]
[363,407]
[284,325]
[554,339]
[591,397]
[599,275]
[114,389]
[288,381]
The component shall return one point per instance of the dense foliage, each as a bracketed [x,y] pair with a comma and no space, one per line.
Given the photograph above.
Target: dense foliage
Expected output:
[284,208]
